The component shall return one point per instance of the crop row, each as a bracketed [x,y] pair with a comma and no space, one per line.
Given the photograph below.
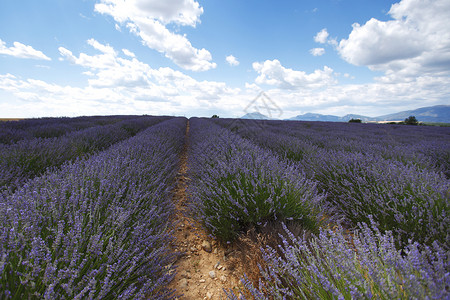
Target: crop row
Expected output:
[29,158]
[97,227]
[397,210]
[424,146]
[13,131]
[236,185]
[401,194]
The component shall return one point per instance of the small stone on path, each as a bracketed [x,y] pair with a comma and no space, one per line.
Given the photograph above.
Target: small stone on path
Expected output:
[206,246]
[183,283]
[212,274]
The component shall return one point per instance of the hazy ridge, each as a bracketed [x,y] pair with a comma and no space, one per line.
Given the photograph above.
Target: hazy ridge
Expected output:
[435,114]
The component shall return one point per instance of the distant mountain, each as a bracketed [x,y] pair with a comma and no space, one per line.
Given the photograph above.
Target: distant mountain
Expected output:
[330,118]
[437,114]
[255,116]
[316,117]
[348,117]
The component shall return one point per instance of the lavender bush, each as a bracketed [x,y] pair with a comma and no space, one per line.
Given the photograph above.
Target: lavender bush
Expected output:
[236,185]
[411,202]
[97,228]
[363,265]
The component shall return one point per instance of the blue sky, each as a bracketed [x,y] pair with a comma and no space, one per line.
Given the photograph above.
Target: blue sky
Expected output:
[198,58]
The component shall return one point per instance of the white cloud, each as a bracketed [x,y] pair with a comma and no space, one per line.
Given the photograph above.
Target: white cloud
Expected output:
[106,49]
[105,60]
[317,51]
[175,47]
[167,91]
[321,36]
[271,72]
[107,69]
[182,12]
[415,43]
[346,75]
[379,42]
[22,51]
[128,53]
[232,61]
[372,99]
[137,81]
[117,82]
[148,19]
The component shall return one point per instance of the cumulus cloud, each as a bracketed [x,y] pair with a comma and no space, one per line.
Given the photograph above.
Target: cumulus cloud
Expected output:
[379,42]
[414,43]
[106,60]
[321,36]
[182,12]
[231,60]
[271,72]
[148,19]
[118,81]
[175,47]
[22,51]
[317,51]
[109,70]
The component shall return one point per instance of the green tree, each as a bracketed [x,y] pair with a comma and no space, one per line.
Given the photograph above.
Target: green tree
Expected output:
[411,120]
[215,116]
[355,121]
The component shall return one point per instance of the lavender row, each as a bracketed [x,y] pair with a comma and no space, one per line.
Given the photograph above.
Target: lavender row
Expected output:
[14,131]
[406,198]
[364,265]
[28,158]
[425,146]
[236,185]
[97,228]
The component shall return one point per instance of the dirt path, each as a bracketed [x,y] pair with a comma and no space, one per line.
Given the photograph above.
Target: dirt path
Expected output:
[207,267]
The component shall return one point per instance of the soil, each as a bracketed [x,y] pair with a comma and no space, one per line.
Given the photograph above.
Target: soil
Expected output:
[202,273]
[10,119]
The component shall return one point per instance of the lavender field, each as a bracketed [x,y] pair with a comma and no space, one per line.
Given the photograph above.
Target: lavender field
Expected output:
[376,207]
[357,211]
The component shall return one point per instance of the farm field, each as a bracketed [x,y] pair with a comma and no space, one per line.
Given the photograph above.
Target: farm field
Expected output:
[134,207]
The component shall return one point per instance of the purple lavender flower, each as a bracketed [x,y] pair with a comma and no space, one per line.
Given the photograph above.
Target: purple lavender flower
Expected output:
[363,265]
[97,226]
